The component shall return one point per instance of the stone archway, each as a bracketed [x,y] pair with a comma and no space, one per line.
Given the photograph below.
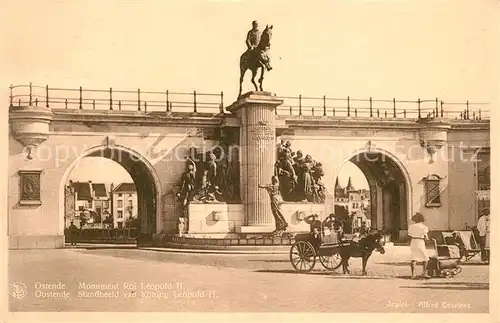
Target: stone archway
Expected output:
[390,190]
[144,177]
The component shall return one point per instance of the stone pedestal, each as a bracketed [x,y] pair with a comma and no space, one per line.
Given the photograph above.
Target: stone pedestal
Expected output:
[256,111]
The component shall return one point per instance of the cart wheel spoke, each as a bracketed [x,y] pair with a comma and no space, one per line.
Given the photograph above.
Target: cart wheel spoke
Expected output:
[331,262]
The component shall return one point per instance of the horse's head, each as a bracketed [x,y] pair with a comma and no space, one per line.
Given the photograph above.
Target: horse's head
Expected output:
[378,239]
[265,38]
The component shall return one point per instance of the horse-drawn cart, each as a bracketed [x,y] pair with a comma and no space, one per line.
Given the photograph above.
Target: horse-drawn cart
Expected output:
[333,251]
[308,247]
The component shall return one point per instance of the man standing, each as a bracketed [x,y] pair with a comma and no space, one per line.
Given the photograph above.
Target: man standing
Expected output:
[72,234]
[483,226]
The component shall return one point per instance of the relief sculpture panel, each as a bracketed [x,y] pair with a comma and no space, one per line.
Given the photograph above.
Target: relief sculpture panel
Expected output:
[30,187]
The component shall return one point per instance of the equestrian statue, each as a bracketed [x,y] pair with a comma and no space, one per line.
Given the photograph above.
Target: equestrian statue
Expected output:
[257,54]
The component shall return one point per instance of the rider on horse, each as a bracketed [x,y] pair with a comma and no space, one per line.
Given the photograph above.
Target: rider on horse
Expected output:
[253,36]
[253,40]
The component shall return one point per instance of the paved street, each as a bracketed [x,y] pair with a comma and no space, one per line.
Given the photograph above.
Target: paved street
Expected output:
[162,281]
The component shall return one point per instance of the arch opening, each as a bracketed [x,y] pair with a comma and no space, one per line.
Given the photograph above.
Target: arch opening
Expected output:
[389,200]
[145,180]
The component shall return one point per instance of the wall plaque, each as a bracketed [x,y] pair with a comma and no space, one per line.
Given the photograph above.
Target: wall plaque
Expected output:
[262,132]
[30,187]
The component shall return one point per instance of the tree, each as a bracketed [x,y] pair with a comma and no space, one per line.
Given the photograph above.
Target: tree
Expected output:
[108,219]
[132,222]
[96,216]
[342,214]
[83,220]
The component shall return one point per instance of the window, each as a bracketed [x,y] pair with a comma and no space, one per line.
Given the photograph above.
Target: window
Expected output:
[130,203]
[120,214]
[432,190]
[130,195]
[119,203]
[120,225]
[106,204]
[81,208]
[120,194]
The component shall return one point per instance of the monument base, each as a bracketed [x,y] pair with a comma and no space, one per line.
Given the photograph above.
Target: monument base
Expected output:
[255,229]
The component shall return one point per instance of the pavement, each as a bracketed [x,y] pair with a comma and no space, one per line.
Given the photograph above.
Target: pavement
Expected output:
[149,280]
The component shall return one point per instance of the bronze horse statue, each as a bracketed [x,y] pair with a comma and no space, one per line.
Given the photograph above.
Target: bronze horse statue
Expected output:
[257,58]
[362,249]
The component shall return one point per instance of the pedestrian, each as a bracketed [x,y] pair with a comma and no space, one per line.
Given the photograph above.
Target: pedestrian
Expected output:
[418,233]
[72,234]
[483,226]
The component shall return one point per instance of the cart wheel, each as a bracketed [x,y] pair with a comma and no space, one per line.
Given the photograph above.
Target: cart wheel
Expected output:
[302,256]
[456,271]
[446,273]
[331,262]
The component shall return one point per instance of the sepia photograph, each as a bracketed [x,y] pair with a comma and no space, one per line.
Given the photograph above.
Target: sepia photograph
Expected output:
[317,157]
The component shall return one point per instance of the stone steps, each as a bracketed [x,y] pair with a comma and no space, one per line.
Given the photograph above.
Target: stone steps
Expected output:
[176,241]
[163,240]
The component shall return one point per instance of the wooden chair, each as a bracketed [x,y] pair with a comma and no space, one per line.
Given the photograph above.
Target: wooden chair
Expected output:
[471,246]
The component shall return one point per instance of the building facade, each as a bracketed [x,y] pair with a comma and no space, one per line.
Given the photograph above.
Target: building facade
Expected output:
[86,203]
[124,209]
[355,201]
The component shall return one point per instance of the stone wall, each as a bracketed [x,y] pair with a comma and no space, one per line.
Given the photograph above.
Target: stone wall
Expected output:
[332,149]
[66,145]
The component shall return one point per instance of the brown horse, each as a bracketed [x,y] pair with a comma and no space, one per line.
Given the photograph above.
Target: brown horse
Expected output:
[362,249]
[256,58]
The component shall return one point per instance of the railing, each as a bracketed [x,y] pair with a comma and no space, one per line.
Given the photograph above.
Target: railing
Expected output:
[195,102]
[138,100]
[103,235]
[372,108]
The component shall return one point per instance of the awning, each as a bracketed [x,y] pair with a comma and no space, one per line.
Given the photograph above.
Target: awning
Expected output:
[483,195]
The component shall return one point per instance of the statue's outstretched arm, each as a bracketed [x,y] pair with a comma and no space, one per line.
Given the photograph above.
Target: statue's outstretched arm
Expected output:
[191,162]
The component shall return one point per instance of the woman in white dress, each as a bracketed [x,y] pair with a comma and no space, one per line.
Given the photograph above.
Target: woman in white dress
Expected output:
[418,234]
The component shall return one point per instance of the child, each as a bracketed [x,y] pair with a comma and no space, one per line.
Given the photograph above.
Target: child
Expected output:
[418,234]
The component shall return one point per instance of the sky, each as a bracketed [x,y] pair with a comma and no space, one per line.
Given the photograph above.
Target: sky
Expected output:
[382,49]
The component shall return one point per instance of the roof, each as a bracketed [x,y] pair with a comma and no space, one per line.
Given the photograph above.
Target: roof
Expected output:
[125,187]
[83,191]
[99,190]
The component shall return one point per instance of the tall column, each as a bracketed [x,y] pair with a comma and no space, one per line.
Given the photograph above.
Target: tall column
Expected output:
[256,111]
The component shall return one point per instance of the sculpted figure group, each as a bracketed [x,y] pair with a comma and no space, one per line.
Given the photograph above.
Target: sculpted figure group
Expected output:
[208,178]
[299,175]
